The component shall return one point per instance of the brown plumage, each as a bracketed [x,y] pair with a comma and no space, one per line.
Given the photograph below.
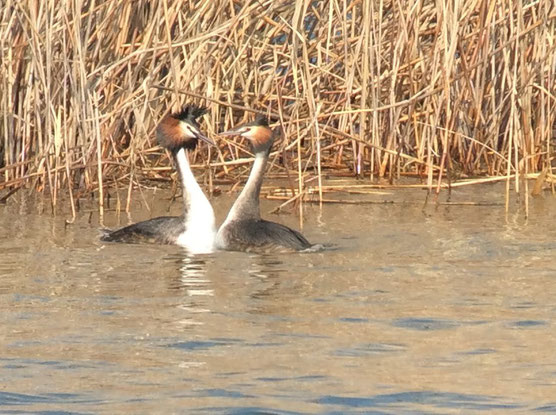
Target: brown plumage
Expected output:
[181,129]
[169,134]
[259,134]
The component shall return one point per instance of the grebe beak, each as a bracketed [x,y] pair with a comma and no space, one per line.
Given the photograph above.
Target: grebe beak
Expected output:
[233,131]
[205,139]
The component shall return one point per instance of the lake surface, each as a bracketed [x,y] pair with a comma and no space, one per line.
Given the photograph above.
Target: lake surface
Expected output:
[435,310]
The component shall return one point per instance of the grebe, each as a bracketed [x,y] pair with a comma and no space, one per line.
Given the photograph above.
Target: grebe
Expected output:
[195,230]
[243,229]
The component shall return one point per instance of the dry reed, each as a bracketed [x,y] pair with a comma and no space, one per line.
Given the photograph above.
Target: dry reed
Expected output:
[370,88]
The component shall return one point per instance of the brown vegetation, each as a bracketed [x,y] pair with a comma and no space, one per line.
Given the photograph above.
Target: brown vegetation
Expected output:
[375,88]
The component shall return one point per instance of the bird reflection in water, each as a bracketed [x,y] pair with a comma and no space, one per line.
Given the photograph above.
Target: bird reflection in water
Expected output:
[193,271]
[194,287]
[275,286]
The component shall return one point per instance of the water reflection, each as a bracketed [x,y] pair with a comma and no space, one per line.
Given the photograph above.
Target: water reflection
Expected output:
[193,276]
[190,288]
[267,269]
[266,266]
[413,314]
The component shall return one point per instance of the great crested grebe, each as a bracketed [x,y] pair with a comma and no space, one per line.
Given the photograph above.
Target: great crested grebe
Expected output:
[195,230]
[243,229]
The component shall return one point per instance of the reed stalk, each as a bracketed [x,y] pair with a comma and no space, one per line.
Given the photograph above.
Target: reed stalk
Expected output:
[375,89]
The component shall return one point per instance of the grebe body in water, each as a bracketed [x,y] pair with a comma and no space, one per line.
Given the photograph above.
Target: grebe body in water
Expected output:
[243,229]
[195,230]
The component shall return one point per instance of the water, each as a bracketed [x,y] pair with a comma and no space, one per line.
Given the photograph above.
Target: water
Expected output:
[441,310]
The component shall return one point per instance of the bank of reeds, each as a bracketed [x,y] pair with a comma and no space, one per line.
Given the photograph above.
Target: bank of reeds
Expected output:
[370,88]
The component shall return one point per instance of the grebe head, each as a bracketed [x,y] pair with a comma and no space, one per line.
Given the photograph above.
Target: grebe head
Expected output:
[181,129]
[257,132]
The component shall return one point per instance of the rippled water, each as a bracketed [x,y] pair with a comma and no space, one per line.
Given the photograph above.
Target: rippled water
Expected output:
[441,310]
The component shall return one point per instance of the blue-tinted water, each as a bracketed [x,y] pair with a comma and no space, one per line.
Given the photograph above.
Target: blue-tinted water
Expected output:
[438,311]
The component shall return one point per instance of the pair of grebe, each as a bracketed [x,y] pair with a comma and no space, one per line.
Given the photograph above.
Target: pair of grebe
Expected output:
[243,229]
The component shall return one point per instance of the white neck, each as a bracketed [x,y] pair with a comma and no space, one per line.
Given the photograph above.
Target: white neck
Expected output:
[199,215]
[247,204]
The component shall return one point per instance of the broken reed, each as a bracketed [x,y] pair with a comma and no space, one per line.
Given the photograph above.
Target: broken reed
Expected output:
[371,88]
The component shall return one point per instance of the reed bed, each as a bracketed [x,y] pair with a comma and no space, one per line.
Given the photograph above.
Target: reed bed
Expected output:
[375,89]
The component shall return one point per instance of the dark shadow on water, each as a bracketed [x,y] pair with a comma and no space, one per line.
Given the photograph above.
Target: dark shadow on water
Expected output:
[308,378]
[20,399]
[550,409]
[477,352]
[45,412]
[204,344]
[524,324]
[425,324]
[222,393]
[435,399]
[370,349]
[353,320]
[245,410]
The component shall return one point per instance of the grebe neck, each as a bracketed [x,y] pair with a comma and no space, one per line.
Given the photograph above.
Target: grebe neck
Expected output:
[247,204]
[199,215]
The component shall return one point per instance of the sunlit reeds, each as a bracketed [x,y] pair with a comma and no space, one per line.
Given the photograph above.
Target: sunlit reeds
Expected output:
[371,88]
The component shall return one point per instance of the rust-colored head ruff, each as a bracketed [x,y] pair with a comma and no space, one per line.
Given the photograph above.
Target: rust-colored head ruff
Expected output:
[181,129]
[257,132]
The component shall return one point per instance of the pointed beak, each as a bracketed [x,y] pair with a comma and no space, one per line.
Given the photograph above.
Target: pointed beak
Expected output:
[233,131]
[205,139]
